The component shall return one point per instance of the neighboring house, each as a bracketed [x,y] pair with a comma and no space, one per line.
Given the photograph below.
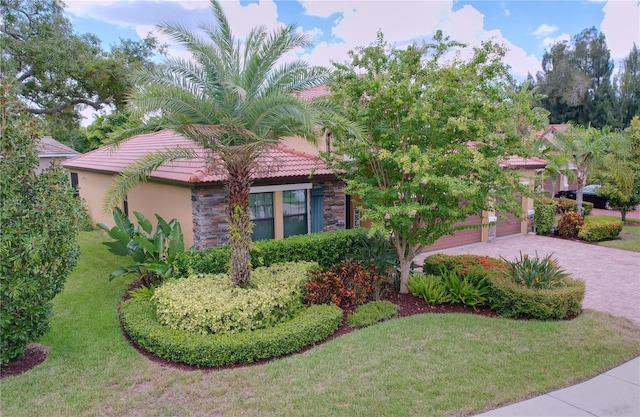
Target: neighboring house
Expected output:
[284,201]
[554,183]
[50,150]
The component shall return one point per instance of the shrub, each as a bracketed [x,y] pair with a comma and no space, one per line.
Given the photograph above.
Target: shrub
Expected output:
[567,205]
[38,229]
[371,313]
[346,284]
[378,251]
[544,216]
[465,292]
[309,326]
[516,301]
[475,267]
[429,287]
[213,304]
[600,228]
[569,225]
[535,272]
[153,251]
[325,248]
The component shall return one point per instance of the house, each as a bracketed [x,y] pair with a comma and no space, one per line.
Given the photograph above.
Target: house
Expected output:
[550,185]
[285,199]
[50,150]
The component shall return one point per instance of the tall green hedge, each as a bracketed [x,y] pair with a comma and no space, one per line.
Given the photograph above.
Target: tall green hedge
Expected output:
[38,229]
[325,248]
[544,216]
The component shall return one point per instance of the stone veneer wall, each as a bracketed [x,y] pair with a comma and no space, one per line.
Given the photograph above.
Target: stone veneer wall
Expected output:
[209,207]
[335,212]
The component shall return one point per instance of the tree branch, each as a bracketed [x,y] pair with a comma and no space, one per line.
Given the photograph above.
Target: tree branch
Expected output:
[53,110]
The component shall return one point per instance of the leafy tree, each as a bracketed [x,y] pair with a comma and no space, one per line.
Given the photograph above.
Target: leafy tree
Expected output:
[581,147]
[619,171]
[576,80]
[38,229]
[437,128]
[234,99]
[98,132]
[629,88]
[59,69]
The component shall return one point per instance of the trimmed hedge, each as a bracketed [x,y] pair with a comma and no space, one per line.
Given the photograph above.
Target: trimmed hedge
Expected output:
[516,301]
[507,297]
[371,313]
[544,216]
[312,325]
[213,304]
[325,248]
[599,228]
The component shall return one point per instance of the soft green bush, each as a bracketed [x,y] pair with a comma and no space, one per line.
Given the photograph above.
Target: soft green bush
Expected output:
[214,304]
[544,216]
[428,287]
[371,313]
[516,301]
[536,272]
[600,228]
[325,248]
[567,205]
[39,224]
[310,326]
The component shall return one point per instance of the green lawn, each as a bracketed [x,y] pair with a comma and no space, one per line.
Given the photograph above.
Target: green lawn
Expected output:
[427,365]
[629,237]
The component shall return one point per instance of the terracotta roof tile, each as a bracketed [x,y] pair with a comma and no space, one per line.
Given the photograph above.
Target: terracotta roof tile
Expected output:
[278,162]
[520,162]
[49,147]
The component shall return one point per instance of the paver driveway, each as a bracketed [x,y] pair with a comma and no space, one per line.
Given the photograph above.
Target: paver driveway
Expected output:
[612,276]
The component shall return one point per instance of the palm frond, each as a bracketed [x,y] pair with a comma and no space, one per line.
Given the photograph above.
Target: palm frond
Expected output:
[138,171]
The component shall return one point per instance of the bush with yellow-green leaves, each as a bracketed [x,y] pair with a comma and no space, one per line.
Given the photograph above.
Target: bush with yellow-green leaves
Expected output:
[212,304]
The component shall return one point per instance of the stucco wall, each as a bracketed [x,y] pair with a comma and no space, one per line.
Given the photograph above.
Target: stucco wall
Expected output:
[169,201]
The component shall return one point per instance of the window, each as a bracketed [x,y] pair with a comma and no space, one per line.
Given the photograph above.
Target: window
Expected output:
[261,210]
[294,212]
[125,205]
[74,183]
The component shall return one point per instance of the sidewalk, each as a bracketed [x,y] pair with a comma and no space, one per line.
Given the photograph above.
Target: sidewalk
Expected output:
[613,393]
[612,282]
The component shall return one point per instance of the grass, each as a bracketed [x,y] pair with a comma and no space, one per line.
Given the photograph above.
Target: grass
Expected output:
[423,365]
[629,237]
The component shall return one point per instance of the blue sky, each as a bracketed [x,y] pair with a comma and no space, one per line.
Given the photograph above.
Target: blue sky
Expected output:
[526,28]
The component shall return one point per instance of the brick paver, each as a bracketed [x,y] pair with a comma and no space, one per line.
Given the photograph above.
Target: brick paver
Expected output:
[612,276]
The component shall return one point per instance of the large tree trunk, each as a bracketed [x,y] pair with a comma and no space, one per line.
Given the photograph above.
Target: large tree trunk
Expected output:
[239,221]
[405,270]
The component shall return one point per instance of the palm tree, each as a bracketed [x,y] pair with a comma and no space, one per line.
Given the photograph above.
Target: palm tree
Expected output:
[234,98]
[580,147]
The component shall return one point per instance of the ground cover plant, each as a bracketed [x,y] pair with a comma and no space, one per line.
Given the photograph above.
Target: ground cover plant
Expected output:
[428,364]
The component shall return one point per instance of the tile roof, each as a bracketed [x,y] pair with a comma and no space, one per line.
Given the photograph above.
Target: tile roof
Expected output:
[313,93]
[48,147]
[520,162]
[279,162]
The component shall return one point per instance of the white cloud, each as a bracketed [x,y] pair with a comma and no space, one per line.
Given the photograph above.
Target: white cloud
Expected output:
[621,26]
[549,41]
[545,30]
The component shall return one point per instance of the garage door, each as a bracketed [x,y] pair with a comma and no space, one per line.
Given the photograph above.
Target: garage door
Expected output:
[508,226]
[461,237]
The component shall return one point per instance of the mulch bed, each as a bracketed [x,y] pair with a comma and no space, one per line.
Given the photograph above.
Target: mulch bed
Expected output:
[36,353]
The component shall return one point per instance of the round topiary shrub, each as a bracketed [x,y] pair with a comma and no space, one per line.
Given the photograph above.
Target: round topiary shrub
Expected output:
[600,228]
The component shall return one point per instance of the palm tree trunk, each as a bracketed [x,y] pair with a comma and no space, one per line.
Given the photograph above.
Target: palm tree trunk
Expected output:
[239,221]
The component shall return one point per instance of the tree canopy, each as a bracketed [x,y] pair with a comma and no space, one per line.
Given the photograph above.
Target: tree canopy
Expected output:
[437,128]
[59,70]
